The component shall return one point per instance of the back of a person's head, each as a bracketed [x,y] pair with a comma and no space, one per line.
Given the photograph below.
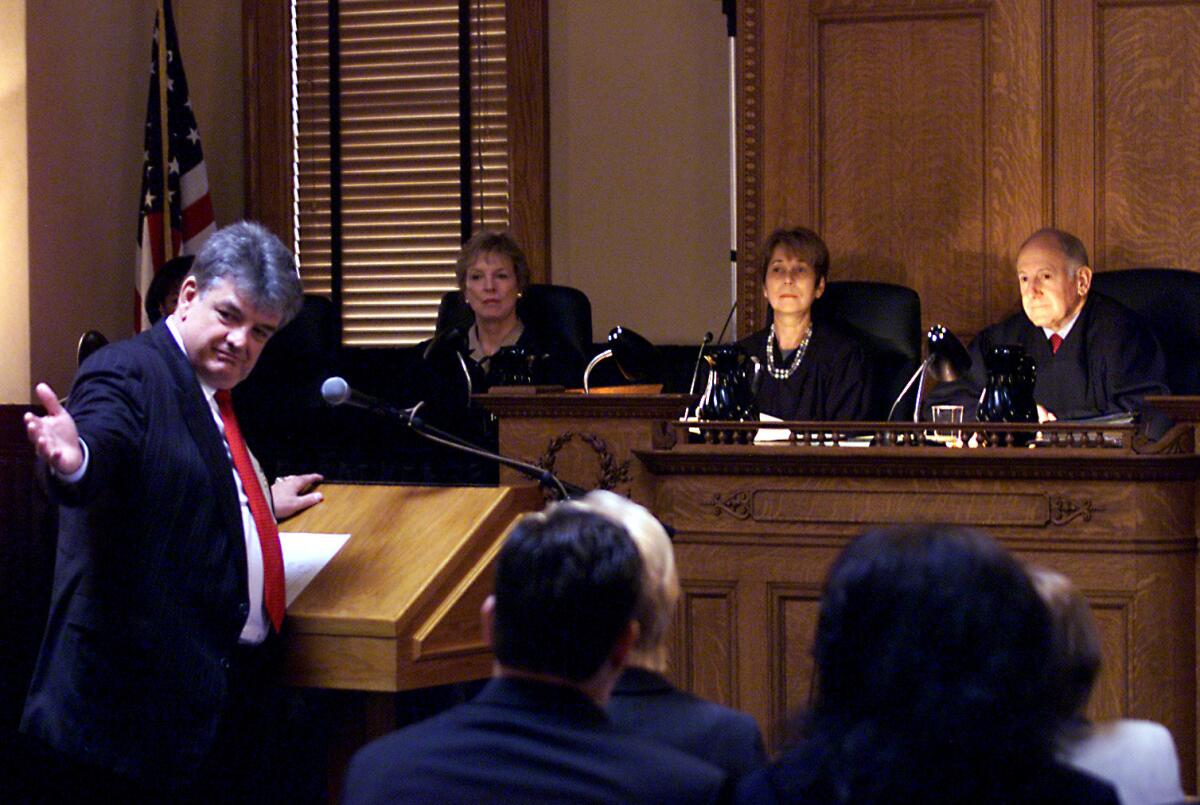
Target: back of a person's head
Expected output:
[931,674]
[567,581]
[1074,639]
[660,580]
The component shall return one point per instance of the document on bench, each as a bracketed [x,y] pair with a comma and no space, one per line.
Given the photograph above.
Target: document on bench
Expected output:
[303,557]
[776,435]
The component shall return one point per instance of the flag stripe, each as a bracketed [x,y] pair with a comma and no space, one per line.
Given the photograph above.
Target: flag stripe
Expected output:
[188,204]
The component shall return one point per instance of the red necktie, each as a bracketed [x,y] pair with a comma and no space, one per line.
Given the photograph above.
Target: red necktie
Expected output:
[264,520]
[1055,342]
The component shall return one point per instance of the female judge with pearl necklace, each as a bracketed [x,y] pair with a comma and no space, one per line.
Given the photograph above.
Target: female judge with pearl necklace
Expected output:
[813,371]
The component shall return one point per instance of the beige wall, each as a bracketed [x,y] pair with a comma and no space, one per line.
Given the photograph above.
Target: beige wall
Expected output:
[87,86]
[639,166]
[14,243]
[626,169]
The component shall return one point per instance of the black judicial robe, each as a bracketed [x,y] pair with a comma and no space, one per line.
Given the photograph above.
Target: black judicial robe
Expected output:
[832,382]
[1108,362]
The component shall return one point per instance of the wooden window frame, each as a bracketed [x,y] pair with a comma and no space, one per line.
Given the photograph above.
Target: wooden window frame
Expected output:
[268,123]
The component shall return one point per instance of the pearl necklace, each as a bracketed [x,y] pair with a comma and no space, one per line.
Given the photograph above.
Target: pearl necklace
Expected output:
[797,356]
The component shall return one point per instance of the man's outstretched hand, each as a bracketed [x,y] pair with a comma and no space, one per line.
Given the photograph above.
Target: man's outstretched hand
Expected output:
[54,436]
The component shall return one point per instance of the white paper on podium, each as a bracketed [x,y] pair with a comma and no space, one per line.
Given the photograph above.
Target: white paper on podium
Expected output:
[303,557]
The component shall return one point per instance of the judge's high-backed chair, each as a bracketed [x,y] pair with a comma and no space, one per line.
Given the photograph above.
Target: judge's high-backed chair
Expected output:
[1169,301]
[557,311]
[886,319]
[89,342]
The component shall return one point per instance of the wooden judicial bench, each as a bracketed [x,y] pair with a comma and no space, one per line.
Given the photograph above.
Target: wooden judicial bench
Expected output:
[757,527]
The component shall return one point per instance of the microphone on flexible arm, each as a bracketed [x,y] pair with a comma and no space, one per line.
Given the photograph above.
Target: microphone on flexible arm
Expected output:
[948,359]
[453,335]
[708,337]
[336,391]
[728,319]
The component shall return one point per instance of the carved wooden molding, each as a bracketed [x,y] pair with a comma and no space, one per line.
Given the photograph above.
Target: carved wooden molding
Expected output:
[1063,509]
[738,505]
[612,471]
[749,158]
[1019,464]
[985,509]
[1179,440]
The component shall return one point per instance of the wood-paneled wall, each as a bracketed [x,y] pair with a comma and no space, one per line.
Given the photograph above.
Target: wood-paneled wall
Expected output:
[925,140]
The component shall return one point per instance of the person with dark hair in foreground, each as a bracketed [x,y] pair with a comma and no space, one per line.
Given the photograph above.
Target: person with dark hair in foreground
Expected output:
[560,624]
[932,682]
[1136,756]
[644,702]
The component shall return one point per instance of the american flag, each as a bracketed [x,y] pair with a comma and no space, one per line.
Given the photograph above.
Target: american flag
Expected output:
[190,207]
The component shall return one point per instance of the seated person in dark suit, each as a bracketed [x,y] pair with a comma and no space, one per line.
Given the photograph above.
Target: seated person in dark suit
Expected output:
[812,371]
[1093,355]
[644,702]
[560,624]
[933,682]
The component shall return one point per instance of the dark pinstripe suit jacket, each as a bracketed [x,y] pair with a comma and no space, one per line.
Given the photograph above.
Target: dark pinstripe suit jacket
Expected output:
[150,577]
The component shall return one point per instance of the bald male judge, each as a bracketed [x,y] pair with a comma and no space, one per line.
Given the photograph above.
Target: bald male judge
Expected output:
[1094,356]
[153,682]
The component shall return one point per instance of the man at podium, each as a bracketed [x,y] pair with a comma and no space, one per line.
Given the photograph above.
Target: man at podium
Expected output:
[561,623]
[154,677]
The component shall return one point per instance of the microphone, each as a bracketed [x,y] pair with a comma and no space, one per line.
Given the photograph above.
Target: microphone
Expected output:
[728,319]
[337,391]
[451,335]
[708,337]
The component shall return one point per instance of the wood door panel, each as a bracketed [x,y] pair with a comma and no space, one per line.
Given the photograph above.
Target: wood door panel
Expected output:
[1148,156]
[909,134]
[708,647]
[902,155]
[793,612]
[927,140]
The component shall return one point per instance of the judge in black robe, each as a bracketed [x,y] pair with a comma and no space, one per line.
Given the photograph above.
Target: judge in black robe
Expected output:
[811,370]
[831,383]
[1107,360]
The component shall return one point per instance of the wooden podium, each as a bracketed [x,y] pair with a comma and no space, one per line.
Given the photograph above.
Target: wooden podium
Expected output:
[398,606]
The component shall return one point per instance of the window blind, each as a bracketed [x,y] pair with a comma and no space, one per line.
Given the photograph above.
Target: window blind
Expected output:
[413,95]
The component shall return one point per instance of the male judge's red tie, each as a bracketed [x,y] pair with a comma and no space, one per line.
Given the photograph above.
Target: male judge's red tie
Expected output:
[264,520]
[1055,342]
